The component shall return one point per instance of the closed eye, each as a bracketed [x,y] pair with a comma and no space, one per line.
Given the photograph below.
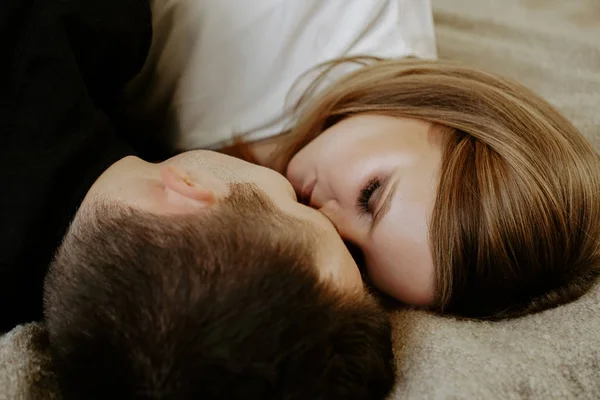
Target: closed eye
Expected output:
[365,202]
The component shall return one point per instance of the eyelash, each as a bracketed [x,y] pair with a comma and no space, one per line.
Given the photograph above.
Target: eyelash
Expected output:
[363,201]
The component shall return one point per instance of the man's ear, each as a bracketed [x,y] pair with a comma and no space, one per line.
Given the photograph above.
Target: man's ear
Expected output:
[180,190]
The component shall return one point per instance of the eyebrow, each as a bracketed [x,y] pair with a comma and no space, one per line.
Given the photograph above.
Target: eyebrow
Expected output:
[385,207]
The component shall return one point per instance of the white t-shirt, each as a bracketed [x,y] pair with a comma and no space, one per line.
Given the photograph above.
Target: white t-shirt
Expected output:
[225,67]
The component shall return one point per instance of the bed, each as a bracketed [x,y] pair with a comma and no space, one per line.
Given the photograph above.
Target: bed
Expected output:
[553,46]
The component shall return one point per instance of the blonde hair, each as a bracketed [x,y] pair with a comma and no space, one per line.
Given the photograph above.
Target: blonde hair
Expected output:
[516,222]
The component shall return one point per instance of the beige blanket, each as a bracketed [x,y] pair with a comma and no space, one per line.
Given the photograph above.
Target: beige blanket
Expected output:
[25,370]
[552,46]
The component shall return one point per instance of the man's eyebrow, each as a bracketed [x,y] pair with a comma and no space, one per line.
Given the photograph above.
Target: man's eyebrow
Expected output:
[386,205]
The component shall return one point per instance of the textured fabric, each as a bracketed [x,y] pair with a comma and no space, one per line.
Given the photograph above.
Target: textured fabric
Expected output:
[25,372]
[552,46]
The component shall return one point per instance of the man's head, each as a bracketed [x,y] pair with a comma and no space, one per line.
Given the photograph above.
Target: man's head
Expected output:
[202,281]
[197,183]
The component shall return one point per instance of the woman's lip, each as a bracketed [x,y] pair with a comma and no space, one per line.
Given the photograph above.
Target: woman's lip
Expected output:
[307,191]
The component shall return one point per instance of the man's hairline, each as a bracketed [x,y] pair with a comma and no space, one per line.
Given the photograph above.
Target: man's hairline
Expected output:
[311,234]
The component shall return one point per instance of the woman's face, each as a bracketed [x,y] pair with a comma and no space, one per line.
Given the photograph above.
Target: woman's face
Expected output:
[375,177]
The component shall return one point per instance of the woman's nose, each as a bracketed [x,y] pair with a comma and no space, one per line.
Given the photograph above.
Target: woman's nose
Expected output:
[342,222]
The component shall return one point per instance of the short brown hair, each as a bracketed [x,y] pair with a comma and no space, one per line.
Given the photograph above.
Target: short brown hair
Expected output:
[228,305]
[516,223]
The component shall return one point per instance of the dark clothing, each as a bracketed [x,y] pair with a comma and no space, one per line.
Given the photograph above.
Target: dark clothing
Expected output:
[63,65]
